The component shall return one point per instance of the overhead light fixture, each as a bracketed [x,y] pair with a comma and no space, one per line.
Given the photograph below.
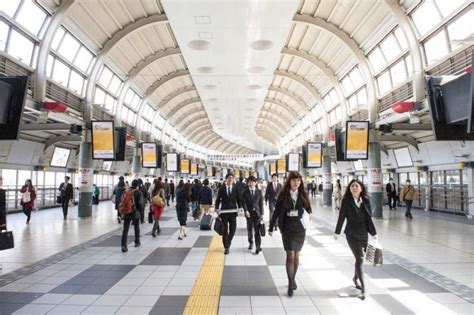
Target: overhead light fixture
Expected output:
[202,19]
[261,44]
[199,44]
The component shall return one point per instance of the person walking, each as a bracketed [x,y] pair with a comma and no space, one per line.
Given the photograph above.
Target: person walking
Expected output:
[391,191]
[3,207]
[407,195]
[205,197]
[144,199]
[195,199]
[183,197]
[157,207]
[291,204]
[131,200]
[253,206]
[273,188]
[117,196]
[28,196]
[166,187]
[356,210]
[96,195]
[172,190]
[227,205]
[66,193]
[337,194]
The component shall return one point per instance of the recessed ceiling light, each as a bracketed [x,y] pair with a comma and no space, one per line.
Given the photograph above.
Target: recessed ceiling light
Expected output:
[205,35]
[199,44]
[261,44]
[204,70]
[203,19]
[251,99]
[256,69]
[254,87]
[213,99]
[210,87]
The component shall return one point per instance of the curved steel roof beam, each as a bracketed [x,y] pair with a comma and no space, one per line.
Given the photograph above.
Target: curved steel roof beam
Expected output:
[271,124]
[269,131]
[282,120]
[189,113]
[199,120]
[198,131]
[286,108]
[186,122]
[182,106]
[291,95]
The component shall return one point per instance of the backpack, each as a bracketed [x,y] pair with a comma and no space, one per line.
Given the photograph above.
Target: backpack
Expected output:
[126,206]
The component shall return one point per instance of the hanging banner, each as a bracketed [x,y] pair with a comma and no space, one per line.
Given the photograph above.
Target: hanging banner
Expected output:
[172,162]
[103,140]
[375,180]
[194,168]
[293,162]
[281,166]
[314,154]
[357,140]
[327,182]
[184,166]
[234,157]
[149,154]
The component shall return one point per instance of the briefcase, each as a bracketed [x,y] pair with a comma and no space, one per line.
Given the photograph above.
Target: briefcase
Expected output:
[218,226]
[374,254]
[6,240]
[261,228]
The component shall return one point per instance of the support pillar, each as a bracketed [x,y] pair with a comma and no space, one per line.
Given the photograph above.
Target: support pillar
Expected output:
[470,192]
[86,173]
[374,172]
[136,166]
[327,178]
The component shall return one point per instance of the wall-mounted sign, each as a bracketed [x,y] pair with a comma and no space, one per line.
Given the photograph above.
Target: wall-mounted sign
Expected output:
[60,157]
[236,173]
[314,153]
[149,155]
[172,160]
[293,162]
[357,140]
[103,140]
[272,168]
[211,171]
[185,166]
[194,168]
[281,166]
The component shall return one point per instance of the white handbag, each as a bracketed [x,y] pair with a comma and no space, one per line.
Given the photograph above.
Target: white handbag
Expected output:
[26,197]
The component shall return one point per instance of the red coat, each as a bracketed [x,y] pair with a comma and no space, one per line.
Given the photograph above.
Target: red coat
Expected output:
[33,197]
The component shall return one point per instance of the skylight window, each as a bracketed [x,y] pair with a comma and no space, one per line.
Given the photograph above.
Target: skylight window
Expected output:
[20,47]
[426,16]
[69,47]
[31,16]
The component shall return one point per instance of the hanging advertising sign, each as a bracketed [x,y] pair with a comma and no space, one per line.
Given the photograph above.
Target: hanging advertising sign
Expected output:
[281,166]
[357,140]
[272,168]
[211,171]
[185,166]
[149,154]
[293,162]
[103,140]
[172,160]
[314,154]
[236,173]
[375,180]
[247,174]
[194,168]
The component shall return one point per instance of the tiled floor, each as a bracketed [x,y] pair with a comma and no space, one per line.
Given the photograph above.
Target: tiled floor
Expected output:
[88,274]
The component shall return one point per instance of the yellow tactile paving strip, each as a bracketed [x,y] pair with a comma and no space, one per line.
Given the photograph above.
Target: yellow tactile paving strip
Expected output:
[205,296]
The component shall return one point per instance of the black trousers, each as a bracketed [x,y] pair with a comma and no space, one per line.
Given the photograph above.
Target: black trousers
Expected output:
[229,222]
[271,208]
[392,201]
[358,246]
[253,224]
[126,227]
[27,211]
[65,206]
[408,204]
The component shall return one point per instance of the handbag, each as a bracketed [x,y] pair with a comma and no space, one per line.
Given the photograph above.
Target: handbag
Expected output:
[58,199]
[218,226]
[157,200]
[374,254]
[26,197]
[150,217]
[261,228]
[6,240]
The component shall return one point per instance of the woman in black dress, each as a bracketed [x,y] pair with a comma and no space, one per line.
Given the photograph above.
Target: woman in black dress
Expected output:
[356,209]
[292,202]
[183,196]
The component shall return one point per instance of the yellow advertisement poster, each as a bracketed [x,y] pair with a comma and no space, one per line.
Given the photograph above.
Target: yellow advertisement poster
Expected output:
[210,171]
[237,173]
[194,169]
[314,154]
[103,140]
[357,141]
[149,154]
[247,174]
[273,168]
[281,166]
[184,167]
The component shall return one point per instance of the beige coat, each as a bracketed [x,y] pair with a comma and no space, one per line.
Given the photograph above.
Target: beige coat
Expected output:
[408,193]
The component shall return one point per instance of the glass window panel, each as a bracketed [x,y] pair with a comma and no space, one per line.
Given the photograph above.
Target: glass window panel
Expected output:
[109,103]
[105,77]
[409,65]
[23,176]
[124,113]
[461,29]
[356,77]
[362,96]
[398,72]
[390,48]
[83,59]
[135,102]
[347,84]
[49,65]
[129,96]
[402,40]
[425,17]
[4,29]
[376,59]
[333,96]
[353,101]
[446,7]
[9,7]
[99,96]
[327,103]
[115,84]
[436,47]
[60,72]
[69,47]
[20,47]
[31,17]
[76,82]
[57,38]
[384,83]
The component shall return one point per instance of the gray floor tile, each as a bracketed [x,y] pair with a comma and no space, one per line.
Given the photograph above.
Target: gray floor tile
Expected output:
[203,241]
[170,305]
[390,303]
[113,241]
[166,231]
[166,256]
[274,256]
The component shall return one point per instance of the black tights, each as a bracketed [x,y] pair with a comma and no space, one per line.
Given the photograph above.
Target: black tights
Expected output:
[358,247]
[292,263]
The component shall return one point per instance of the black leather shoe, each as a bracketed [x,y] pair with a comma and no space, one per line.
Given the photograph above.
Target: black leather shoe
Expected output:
[250,246]
[119,220]
[257,251]
[290,292]
[137,244]
[124,249]
[226,251]
[153,234]
[295,286]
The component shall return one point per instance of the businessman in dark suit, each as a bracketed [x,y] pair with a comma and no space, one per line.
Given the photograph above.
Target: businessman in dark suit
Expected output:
[273,188]
[253,206]
[391,190]
[228,203]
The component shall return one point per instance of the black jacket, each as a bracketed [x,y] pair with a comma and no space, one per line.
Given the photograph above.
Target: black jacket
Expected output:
[280,213]
[270,193]
[205,196]
[241,186]
[348,211]
[66,191]
[223,201]
[195,192]
[388,189]
[249,203]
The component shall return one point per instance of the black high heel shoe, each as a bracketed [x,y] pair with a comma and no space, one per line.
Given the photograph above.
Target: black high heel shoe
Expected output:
[290,291]
[356,284]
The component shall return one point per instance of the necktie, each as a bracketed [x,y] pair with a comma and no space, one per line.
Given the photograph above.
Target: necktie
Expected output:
[228,191]
[275,187]
[251,193]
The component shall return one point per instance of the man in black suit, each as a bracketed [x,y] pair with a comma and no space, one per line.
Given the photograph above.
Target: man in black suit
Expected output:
[253,206]
[391,190]
[273,188]
[228,203]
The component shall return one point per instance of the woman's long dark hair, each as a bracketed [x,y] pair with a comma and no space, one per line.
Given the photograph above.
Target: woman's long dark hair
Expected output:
[284,194]
[181,184]
[363,192]
[156,189]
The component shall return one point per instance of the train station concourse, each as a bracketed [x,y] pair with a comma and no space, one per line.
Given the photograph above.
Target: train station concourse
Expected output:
[173,157]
